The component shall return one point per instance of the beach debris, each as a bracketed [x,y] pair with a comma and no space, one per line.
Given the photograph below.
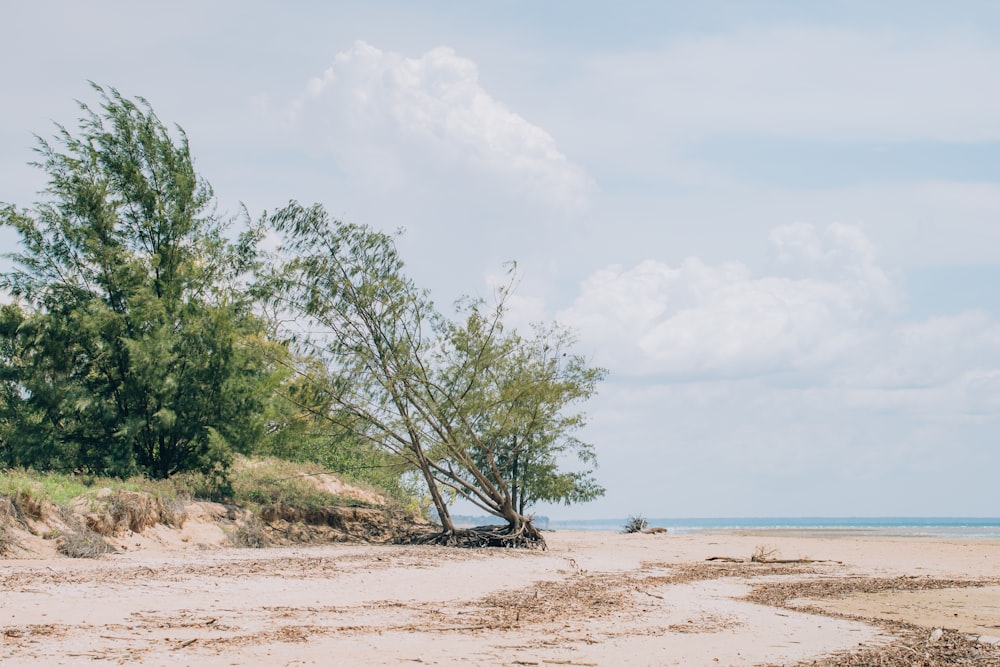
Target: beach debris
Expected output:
[763,554]
[635,524]
[909,645]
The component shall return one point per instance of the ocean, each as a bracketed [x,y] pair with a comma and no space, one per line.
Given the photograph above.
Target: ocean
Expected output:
[939,527]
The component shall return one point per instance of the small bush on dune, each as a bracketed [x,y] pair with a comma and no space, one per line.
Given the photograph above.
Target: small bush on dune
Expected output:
[82,543]
[250,535]
[6,540]
[172,512]
[77,540]
[134,511]
[28,505]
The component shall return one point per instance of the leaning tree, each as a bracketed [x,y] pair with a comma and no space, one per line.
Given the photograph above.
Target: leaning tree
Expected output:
[480,412]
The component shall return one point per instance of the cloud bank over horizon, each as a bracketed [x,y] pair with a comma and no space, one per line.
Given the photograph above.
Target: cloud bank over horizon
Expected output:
[828,316]
[812,374]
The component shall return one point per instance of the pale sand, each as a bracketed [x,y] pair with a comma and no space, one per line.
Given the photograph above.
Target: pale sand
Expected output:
[591,599]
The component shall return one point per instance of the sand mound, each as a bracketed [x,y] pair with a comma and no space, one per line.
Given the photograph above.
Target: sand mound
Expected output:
[120,520]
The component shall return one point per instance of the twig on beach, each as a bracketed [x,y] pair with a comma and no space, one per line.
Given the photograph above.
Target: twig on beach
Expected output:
[771,561]
[762,554]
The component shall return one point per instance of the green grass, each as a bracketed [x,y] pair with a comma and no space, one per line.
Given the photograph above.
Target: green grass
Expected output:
[57,488]
[269,481]
[253,482]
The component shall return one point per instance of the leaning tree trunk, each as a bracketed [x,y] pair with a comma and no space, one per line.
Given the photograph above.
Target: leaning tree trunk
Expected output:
[447,525]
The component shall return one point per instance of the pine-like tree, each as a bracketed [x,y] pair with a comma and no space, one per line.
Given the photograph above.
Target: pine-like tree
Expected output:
[130,347]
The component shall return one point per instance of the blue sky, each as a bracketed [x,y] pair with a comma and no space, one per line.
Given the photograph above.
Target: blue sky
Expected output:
[775,223]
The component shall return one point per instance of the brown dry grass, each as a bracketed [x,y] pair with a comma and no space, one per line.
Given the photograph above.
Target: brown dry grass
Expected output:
[76,540]
[250,534]
[25,504]
[6,540]
[133,511]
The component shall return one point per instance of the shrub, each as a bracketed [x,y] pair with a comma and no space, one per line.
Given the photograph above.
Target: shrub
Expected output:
[81,543]
[250,534]
[635,524]
[6,540]
[77,540]
[762,554]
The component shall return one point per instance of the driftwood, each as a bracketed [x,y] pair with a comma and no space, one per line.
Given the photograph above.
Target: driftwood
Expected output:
[771,561]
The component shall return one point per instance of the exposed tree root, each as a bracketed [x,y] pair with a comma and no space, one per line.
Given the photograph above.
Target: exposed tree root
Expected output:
[524,537]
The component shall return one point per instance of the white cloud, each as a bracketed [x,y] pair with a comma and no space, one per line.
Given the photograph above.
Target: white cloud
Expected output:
[811,373]
[398,120]
[940,352]
[809,81]
[696,319]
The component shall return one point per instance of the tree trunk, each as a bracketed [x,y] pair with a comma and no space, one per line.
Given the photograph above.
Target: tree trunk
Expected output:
[447,525]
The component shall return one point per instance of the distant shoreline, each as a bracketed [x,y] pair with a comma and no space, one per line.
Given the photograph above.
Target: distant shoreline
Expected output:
[932,527]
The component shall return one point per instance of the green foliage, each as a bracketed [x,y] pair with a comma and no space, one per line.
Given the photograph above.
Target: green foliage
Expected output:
[302,433]
[266,482]
[136,346]
[258,481]
[55,488]
[516,394]
[478,411]
[133,349]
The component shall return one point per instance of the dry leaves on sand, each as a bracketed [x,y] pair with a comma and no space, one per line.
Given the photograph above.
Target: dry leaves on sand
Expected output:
[581,596]
[913,646]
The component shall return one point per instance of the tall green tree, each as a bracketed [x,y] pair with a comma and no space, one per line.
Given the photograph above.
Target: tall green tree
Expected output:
[477,411]
[132,347]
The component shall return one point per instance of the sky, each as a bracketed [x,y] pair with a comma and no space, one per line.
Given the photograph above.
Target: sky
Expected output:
[776,224]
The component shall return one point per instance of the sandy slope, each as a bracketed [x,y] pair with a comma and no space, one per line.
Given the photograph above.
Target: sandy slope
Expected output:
[591,599]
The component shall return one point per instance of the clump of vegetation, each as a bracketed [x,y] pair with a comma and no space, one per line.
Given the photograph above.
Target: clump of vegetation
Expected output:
[143,342]
[6,540]
[77,540]
[635,524]
[268,482]
[172,512]
[763,554]
[30,492]
[29,489]
[250,534]
[134,511]
[81,543]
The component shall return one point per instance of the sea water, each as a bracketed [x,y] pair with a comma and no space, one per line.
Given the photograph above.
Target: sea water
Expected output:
[940,527]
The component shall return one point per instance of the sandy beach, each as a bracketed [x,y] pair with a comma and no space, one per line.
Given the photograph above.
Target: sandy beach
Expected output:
[590,599]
